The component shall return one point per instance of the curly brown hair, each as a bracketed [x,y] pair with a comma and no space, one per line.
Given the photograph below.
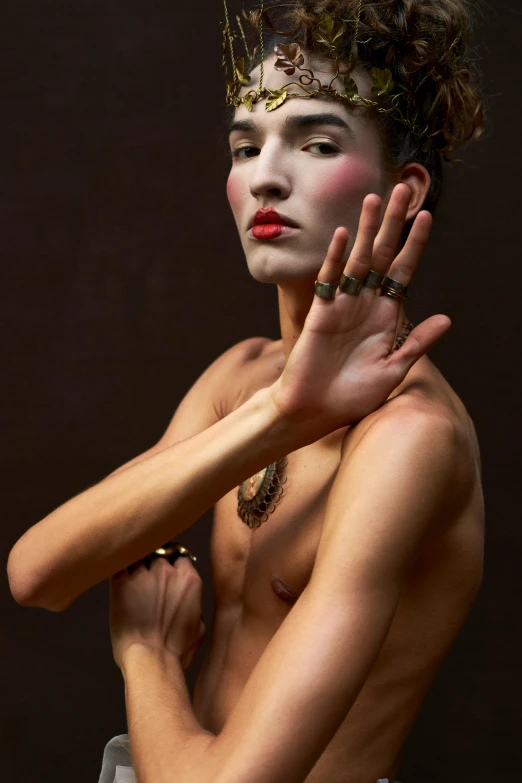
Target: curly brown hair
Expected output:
[412,38]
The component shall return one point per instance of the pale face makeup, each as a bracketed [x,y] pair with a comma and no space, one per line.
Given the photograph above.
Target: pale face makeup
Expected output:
[315,174]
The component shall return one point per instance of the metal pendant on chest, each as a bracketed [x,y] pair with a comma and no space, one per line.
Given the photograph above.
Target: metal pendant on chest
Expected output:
[258,496]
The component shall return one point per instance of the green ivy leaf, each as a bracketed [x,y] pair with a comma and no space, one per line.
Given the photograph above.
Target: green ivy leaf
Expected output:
[382,81]
[338,34]
[247,102]
[277,98]
[350,87]
[243,77]
[326,32]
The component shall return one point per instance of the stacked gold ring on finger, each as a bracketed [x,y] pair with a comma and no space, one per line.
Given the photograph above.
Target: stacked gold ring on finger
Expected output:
[172,550]
[393,288]
[373,279]
[325,290]
[350,285]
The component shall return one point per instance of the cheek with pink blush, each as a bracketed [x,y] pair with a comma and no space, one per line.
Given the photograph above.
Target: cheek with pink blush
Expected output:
[346,181]
[233,192]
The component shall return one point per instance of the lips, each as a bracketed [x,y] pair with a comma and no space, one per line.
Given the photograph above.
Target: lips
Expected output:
[271,216]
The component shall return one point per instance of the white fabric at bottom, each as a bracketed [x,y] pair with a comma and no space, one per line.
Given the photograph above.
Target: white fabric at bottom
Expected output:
[125,775]
[117,762]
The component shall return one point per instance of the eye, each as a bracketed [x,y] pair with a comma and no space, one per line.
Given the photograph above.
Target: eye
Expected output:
[324,144]
[237,152]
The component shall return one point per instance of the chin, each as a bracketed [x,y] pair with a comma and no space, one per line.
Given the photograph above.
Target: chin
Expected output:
[282,271]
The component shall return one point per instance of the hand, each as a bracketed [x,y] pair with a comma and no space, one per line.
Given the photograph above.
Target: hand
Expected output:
[343,365]
[160,607]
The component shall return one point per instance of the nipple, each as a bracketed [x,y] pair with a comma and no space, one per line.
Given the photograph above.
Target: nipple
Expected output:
[283,592]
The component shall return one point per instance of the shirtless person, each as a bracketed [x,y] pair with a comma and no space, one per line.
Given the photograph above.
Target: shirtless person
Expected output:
[334,614]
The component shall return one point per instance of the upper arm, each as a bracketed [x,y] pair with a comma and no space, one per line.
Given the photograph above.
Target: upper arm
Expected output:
[386,500]
[206,401]
[402,483]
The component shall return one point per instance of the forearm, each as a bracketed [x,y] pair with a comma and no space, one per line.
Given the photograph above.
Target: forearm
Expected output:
[130,513]
[168,745]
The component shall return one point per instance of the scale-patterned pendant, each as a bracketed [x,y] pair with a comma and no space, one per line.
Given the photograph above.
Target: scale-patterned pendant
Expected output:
[258,496]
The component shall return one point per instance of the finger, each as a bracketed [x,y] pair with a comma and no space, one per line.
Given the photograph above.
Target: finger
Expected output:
[160,563]
[331,269]
[419,342]
[136,568]
[404,266]
[191,574]
[359,262]
[180,564]
[387,240]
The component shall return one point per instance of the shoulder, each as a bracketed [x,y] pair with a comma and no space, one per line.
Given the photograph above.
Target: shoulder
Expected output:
[403,482]
[208,399]
[247,350]
[417,442]
[423,420]
[246,367]
[428,413]
[237,357]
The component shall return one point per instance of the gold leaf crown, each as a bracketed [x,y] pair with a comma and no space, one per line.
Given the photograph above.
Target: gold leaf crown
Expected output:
[327,35]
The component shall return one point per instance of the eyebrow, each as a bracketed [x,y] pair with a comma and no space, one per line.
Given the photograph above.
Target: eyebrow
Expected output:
[297,121]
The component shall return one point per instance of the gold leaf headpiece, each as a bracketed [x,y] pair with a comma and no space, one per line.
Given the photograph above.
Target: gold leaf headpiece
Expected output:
[327,35]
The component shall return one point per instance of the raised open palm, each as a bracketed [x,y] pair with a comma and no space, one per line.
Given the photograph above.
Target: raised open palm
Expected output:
[343,365]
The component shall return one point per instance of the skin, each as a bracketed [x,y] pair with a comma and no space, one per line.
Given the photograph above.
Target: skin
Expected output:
[319,188]
[363,564]
[332,619]
[322,188]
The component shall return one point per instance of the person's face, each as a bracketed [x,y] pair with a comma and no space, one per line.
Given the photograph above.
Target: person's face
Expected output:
[316,174]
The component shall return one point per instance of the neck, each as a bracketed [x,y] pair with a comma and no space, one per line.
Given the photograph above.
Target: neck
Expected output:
[295,299]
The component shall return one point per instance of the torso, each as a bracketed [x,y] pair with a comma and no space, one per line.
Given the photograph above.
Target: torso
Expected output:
[259,574]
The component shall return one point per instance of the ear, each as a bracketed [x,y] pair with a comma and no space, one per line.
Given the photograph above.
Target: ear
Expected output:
[417,177]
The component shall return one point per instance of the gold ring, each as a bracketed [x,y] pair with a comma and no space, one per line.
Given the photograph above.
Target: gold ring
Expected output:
[350,285]
[172,549]
[389,284]
[325,290]
[373,279]
[392,293]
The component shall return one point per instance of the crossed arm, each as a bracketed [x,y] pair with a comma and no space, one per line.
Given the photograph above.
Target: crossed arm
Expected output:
[392,492]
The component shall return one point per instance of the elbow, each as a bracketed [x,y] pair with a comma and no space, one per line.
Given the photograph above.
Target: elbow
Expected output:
[25,588]
[18,576]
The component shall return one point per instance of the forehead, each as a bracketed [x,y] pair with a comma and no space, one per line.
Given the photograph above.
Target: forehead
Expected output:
[350,116]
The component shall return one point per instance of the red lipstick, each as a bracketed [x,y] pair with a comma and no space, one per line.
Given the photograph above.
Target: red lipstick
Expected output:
[268,224]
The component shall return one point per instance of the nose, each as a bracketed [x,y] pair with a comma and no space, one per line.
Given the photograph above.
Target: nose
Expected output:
[269,174]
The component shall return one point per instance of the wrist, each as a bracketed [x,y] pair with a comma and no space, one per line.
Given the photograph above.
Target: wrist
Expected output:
[138,655]
[300,425]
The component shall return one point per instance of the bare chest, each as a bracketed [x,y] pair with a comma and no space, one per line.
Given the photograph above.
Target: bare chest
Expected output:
[264,569]
[258,575]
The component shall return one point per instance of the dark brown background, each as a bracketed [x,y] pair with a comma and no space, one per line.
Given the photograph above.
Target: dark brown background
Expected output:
[123,278]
